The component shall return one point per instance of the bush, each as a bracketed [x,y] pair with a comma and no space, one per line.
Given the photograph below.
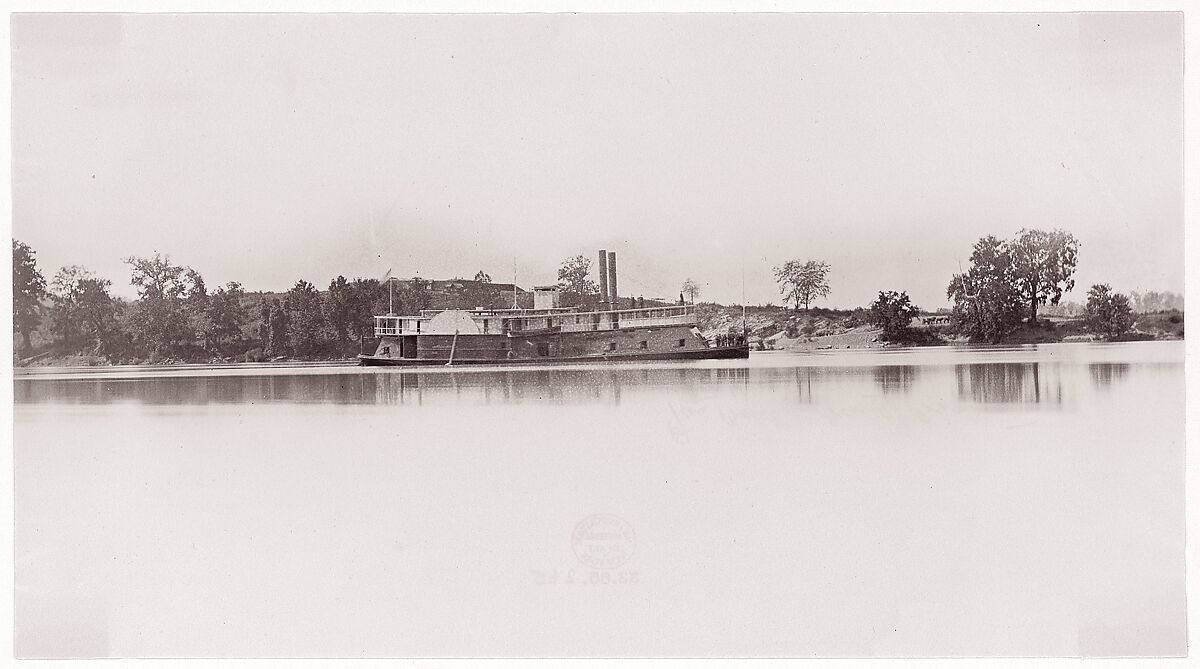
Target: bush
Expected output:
[256,355]
[1108,313]
[856,318]
[85,360]
[894,313]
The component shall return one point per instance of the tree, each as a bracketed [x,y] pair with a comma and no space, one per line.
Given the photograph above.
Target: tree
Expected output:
[894,313]
[277,325]
[1172,300]
[414,295]
[369,298]
[157,278]
[1154,301]
[197,307]
[338,307]
[83,312]
[159,320]
[690,290]
[987,304]
[1043,264]
[1066,308]
[264,323]
[482,277]
[194,289]
[1108,312]
[227,314]
[573,279]
[66,290]
[29,289]
[304,318]
[96,314]
[803,281]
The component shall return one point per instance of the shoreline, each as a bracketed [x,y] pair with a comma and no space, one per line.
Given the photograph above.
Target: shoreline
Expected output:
[58,371]
[773,329]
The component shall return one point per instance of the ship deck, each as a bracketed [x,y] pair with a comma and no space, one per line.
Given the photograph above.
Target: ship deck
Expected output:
[711,353]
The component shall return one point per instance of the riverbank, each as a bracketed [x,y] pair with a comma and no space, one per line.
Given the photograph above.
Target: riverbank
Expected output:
[769,328]
[82,360]
[776,328]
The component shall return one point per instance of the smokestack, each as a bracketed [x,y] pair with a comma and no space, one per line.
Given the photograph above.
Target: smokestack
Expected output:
[612,279]
[603,277]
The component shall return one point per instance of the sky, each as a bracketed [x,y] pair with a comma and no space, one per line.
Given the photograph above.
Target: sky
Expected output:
[269,148]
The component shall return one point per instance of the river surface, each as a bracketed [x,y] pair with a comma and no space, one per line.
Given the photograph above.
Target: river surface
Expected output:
[950,501]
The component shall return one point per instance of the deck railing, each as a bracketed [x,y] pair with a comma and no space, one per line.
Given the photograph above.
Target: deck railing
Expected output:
[576,321]
[390,331]
[391,326]
[662,321]
[681,319]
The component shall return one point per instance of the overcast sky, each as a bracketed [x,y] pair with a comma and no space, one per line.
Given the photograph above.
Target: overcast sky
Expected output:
[269,148]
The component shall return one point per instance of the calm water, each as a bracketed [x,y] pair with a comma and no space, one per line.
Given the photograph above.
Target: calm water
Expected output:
[923,502]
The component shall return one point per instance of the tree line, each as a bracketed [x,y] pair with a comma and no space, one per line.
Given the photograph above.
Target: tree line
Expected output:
[177,317]
[1007,283]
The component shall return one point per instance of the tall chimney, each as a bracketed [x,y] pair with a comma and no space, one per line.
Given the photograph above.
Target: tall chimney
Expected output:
[612,279]
[603,278]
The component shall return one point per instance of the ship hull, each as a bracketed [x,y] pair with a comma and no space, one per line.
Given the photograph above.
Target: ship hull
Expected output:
[711,353]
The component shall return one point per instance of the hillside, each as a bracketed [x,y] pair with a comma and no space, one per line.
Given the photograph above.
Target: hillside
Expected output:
[785,328]
[782,327]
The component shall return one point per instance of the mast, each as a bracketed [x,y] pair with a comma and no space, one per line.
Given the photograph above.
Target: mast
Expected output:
[514,283]
[387,276]
[745,337]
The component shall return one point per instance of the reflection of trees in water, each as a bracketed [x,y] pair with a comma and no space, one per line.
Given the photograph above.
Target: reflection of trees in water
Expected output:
[569,386]
[895,378]
[1009,383]
[993,383]
[804,385]
[810,382]
[235,389]
[1105,374]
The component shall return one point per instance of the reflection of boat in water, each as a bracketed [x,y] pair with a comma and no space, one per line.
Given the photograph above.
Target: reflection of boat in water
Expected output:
[549,333]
